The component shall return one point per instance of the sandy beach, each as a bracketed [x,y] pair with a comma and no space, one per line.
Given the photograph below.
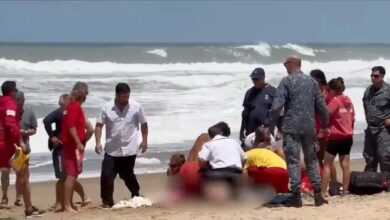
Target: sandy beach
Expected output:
[349,207]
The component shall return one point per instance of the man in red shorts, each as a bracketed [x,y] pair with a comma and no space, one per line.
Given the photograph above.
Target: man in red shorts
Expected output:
[9,133]
[73,139]
[9,137]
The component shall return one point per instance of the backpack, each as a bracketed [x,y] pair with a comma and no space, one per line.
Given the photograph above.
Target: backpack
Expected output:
[368,183]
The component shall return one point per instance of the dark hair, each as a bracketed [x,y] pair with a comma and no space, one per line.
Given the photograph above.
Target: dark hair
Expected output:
[8,87]
[262,135]
[224,127]
[122,88]
[319,76]
[337,85]
[214,131]
[64,96]
[380,69]
[179,158]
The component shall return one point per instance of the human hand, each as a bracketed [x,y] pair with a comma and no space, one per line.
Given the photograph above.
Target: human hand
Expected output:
[279,136]
[99,148]
[25,148]
[54,140]
[324,132]
[143,146]
[80,147]
[387,122]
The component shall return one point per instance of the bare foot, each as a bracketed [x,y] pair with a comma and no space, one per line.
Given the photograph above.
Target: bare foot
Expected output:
[74,207]
[86,202]
[70,209]
[325,195]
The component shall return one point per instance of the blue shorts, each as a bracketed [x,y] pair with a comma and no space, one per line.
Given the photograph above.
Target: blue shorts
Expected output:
[57,163]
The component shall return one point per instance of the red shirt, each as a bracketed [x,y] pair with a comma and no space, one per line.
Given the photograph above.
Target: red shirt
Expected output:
[341,117]
[73,116]
[9,124]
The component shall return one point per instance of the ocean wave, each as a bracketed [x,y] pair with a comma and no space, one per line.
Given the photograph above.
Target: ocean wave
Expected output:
[262,48]
[49,162]
[158,52]
[147,161]
[86,69]
[300,49]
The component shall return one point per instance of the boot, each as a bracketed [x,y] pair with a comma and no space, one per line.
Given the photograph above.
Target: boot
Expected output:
[295,201]
[318,199]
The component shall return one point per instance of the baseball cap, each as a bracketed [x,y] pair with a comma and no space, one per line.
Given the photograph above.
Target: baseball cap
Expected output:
[258,73]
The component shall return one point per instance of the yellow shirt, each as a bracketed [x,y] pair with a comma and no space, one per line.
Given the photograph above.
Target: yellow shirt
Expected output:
[263,157]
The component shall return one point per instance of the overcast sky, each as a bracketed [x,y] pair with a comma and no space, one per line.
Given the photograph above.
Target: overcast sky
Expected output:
[195,21]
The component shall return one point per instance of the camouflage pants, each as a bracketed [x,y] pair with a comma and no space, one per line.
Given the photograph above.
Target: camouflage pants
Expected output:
[377,150]
[292,144]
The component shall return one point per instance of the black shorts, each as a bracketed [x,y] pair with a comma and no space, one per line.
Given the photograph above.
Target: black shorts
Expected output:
[57,163]
[340,147]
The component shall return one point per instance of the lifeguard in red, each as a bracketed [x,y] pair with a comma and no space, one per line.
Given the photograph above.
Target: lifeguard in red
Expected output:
[72,157]
[9,129]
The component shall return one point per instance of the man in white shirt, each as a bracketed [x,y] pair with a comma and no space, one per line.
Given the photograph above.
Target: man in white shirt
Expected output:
[122,118]
[221,153]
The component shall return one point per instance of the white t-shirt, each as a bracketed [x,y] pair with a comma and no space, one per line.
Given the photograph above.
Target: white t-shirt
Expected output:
[222,152]
[122,128]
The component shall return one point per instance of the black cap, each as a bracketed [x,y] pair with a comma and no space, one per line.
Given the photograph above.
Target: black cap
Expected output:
[258,73]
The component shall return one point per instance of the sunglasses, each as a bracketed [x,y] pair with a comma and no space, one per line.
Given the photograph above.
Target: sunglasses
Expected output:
[255,79]
[375,76]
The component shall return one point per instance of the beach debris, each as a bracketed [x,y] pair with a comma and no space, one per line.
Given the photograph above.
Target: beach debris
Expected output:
[135,202]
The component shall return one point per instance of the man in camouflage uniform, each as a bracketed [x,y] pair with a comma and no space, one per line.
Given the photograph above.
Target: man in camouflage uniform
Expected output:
[376,102]
[301,97]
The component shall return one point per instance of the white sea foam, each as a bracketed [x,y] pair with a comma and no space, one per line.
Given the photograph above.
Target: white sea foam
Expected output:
[261,48]
[300,49]
[147,161]
[186,98]
[41,164]
[158,52]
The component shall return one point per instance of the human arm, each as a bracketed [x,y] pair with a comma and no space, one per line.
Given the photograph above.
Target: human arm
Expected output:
[365,101]
[244,116]
[100,121]
[89,130]
[204,157]
[144,130]
[280,99]
[321,109]
[72,116]
[98,136]
[51,118]
[33,124]
[202,139]
[12,123]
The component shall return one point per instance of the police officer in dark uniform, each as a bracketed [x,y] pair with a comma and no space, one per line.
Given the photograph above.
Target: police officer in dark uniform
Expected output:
[257,103]
[376,102]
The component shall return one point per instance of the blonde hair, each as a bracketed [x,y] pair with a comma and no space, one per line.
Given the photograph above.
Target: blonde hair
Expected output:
[78,90]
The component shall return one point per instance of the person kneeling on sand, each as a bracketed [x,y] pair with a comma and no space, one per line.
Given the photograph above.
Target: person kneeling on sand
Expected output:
[186,180]
[220,161]
[264,166]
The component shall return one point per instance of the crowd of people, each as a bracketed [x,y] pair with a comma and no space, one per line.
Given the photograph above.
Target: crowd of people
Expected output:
[289,135]
[69,130]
